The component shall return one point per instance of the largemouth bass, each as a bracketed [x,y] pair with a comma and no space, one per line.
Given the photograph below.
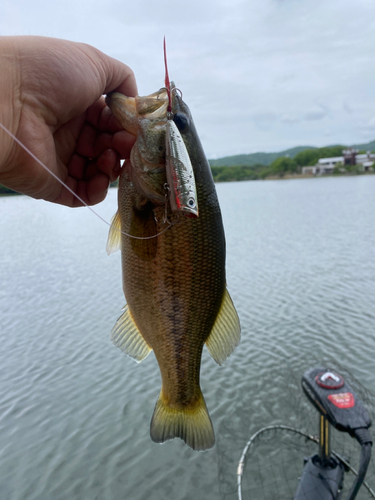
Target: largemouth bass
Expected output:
[174,283]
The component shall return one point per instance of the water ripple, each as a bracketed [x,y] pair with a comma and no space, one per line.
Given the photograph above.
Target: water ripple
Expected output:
[75,411]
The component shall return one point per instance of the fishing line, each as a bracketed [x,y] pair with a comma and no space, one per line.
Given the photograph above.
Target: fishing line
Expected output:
[75,194]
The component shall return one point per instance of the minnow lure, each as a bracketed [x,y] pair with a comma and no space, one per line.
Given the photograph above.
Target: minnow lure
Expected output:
[179,170]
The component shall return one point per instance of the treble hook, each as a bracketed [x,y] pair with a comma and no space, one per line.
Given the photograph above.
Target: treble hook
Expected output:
[166,196]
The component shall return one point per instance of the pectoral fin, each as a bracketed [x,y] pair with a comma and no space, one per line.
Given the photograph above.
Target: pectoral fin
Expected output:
[114,235]
[127,337]
[226,332]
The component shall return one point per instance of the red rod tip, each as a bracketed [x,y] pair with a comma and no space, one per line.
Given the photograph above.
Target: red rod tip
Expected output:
[167,82]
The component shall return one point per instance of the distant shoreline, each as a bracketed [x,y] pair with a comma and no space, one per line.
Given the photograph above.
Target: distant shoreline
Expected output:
[268,178]
[311,176]
[288,176]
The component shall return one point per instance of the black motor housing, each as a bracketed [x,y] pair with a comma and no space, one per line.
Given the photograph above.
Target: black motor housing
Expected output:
[320,482]
[334,398]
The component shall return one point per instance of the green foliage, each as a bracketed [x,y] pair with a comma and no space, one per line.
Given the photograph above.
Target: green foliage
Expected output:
[278,167]
[255,158]
[338,168]
[239,173]
[302,161]
[307,157]
[369,146]
[327,152]
[283,165]
[353,169]
[311,156]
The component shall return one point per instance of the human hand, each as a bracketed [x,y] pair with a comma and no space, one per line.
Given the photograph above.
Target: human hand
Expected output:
[51,100]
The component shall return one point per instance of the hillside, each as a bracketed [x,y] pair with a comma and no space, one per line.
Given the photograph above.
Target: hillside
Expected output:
[265,165]
[256,158]
[268,158]
[369,146]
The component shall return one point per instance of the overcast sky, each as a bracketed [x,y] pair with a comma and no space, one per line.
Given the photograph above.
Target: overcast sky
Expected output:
[258,75]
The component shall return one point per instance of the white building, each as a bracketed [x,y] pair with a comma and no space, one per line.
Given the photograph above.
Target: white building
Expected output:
[322,167]
[350,157]
[366,160]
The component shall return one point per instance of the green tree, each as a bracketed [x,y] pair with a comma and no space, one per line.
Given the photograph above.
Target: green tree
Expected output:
[238,173]
[338,169]
[282,165]
[307,157]
[353,169]
[331,151]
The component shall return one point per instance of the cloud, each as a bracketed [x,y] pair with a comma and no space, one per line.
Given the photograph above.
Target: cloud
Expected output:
[256,74]
[346,106]
[315,113]
[289,118]
[265,120]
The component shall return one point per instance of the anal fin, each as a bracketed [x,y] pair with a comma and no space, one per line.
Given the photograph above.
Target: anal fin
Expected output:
[226,332]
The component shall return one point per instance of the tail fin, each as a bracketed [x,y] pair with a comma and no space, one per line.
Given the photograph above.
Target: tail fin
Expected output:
[191,424]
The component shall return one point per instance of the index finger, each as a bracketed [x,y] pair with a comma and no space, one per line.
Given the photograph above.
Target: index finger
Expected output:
[121,78]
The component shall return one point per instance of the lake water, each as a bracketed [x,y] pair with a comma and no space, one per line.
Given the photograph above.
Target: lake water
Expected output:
[75,411]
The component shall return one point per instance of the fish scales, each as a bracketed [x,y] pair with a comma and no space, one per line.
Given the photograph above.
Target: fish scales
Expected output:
[181,289]
[176,294]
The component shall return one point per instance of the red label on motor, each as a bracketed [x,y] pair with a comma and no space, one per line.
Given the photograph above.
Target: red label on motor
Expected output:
[342,400]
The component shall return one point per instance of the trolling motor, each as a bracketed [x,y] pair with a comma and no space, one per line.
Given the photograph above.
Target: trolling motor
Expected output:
[338,405]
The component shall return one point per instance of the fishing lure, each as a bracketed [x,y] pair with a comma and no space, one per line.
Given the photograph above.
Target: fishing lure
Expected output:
[179,170]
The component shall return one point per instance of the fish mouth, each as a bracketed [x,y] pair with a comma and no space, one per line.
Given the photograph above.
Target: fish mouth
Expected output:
[147,118]
[128,110]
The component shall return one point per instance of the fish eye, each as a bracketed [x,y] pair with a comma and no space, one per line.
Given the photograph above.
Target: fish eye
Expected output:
[191,202]
[181,121]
